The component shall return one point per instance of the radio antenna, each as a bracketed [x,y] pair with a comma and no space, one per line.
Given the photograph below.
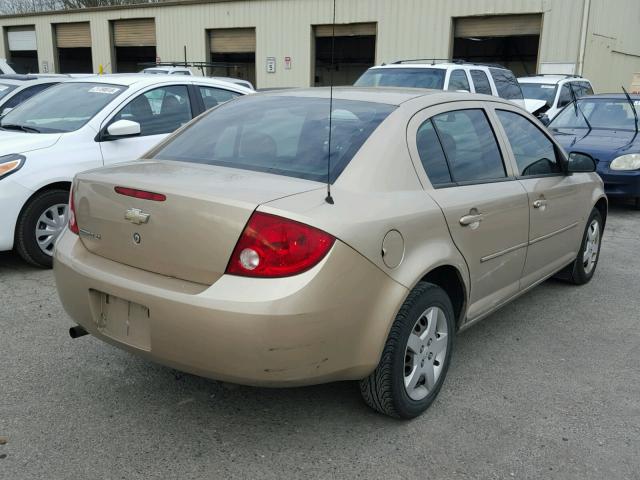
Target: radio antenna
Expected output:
[329,198]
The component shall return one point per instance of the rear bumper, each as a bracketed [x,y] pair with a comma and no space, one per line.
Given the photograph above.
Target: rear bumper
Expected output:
[327,324]
[13,196]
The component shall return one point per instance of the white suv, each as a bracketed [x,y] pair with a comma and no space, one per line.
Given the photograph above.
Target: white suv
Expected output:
[546,95]
[5,68]
[451,75]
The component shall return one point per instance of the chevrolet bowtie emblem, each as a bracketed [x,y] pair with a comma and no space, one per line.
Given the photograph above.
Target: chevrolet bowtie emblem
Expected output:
[137,216]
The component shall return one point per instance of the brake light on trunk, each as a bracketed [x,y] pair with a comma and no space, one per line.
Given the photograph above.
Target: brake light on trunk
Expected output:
[73,224]
[143,194]
[271,246]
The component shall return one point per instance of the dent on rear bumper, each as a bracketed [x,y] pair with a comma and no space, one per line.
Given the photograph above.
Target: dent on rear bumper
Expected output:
[327,324]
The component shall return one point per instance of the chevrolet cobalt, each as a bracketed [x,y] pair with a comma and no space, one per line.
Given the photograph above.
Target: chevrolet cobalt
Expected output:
[221,252]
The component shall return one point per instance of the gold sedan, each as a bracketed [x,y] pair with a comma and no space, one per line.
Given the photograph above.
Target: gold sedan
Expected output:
[222,253]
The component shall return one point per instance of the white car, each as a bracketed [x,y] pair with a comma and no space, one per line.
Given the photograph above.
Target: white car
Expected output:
[458,76]
[546,95]
[168,70]
[81,124]
[16,89]
[5,68]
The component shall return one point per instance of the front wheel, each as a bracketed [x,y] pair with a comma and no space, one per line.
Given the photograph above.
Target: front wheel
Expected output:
[584,266]
[416,357]
[41,222]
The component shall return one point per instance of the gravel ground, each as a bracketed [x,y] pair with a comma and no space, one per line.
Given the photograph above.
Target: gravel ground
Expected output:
[546,388]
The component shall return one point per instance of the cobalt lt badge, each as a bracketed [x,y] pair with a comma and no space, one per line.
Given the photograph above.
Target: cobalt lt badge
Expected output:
[137,238]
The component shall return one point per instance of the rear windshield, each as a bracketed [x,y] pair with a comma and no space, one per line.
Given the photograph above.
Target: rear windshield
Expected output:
[506,84]
[278,134]
[6,89]
[403,77]
[539,91]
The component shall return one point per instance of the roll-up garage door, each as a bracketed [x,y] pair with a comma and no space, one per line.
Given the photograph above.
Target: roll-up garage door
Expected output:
[73,35]
[135,32]
[233,40]
[346,30]
[498,26]
[21,39]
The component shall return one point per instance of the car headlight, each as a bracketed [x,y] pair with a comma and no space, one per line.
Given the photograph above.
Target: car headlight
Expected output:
[626,162]
[11,163]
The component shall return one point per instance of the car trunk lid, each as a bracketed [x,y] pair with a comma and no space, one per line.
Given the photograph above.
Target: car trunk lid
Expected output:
[192,232]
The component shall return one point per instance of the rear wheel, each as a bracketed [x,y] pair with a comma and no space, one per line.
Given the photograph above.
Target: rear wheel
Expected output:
[416,357]
[40,224]
[584,266]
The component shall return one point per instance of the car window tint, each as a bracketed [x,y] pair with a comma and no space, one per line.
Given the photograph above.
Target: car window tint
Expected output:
[584,89]
[535,154]
[458,81]
[470,146]
[158,111]
[432,155]
[481,82]
[25,94]
[212,97]
[506,84]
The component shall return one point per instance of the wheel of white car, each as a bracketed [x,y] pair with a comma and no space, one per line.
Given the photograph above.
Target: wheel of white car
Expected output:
[416,356]
[41,222]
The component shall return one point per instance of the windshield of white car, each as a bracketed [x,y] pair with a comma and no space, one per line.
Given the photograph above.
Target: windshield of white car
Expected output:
[62,108]
[278,134]
[6,89]
[403,77]
[539,91]
[601,113]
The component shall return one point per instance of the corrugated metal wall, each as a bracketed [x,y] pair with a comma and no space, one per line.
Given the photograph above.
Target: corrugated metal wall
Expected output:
[406,28]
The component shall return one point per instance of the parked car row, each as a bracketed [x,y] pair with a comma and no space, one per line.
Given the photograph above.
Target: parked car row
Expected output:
[296,237]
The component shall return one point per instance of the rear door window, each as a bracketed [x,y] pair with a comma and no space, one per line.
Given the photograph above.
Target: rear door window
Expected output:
[506,84]
[458,81]
[481,82]
[431,155]
[212,97]
[470,146]
[535,154]
[565,96]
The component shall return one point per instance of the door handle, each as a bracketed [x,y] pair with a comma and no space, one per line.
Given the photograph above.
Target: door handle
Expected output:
[470,220]
[540,204]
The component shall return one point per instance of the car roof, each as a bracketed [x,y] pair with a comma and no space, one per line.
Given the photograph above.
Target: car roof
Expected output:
[385,95]
[31,81]
[551,79]
[142,80]
[439,65]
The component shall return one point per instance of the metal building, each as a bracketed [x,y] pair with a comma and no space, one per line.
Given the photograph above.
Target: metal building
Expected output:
[282,43]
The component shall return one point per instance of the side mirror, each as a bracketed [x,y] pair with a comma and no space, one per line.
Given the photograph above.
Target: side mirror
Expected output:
[581,163]
[123,129]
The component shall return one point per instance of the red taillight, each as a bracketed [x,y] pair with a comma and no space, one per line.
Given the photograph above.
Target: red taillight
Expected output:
[73,224]
[272,246]
[144,195]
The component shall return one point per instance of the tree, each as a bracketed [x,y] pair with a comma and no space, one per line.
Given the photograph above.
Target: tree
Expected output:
[10,7]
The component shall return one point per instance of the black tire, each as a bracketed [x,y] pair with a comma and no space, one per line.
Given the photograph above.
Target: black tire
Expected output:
[575,272]
[384,389]
[25,239]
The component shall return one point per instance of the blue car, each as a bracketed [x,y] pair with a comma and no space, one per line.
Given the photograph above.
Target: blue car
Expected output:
[606,127]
